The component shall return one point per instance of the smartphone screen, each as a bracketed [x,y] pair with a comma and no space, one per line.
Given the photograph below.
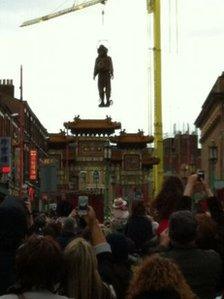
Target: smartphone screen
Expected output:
[83,202]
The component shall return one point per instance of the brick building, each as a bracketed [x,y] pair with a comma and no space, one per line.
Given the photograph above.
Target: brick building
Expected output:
[211,123]
[181,154]
[7,125]
[28,146]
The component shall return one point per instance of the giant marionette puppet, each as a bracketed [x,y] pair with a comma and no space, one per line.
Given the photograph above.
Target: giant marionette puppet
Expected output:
[104,69]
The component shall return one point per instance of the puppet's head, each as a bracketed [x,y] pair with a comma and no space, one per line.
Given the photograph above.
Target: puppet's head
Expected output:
[102,50]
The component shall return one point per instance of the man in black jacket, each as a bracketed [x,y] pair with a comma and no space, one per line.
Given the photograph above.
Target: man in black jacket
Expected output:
[202,269]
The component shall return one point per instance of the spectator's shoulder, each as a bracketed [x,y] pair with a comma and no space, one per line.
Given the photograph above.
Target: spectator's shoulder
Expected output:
[102,248]
[60,297]
[212,254]
[9,296]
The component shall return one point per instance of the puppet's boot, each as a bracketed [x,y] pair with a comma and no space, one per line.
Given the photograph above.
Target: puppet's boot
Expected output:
[101,94]
[108,103]
[101,104]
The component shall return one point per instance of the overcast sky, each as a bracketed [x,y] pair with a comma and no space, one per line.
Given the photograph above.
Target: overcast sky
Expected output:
[58,58]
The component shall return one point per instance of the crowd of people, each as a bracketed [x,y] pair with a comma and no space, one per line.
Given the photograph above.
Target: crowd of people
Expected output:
[171,248]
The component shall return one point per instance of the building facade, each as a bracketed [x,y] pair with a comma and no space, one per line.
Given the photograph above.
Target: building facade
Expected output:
[28,144]
[181,154]
[90,161]
[211,123]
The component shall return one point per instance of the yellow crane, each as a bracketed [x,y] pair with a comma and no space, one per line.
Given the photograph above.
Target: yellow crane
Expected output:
[153,7]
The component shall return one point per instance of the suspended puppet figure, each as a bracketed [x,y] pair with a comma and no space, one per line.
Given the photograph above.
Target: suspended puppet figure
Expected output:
[104,69]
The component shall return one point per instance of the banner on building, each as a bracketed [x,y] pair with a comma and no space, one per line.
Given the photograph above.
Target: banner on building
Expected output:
[5,151]
[48,178]
[31,193]
[33,165]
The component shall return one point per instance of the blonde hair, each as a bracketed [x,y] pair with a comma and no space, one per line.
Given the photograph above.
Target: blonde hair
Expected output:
[83,279]
[157,273]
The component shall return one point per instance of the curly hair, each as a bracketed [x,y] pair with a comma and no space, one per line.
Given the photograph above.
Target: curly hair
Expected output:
[167,199]
[39,265]
[159,274]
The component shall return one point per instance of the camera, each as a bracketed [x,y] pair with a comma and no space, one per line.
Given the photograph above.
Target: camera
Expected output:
[83,202]
[201,175]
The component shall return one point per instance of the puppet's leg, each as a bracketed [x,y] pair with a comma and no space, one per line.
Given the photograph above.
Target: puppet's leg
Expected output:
[108,91]
[101,92]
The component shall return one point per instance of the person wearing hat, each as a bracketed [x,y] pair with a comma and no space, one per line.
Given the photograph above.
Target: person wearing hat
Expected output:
[120,214]
[104,69]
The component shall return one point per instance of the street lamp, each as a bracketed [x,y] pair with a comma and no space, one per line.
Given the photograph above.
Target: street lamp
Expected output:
[213,157]
[107,158]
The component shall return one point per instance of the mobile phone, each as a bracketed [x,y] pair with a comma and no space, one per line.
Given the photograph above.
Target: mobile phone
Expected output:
[83,202]
[201,175]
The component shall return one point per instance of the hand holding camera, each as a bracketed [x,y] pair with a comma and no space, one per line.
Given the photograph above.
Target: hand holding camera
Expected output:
[86,213]
[201,175]
[83,202]
[194,181]
[90,217]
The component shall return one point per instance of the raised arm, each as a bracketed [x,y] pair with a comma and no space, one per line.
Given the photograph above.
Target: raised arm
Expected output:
[189,188]
[94,227]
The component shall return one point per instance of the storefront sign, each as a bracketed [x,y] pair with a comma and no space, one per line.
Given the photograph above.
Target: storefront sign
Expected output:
[31,193]
[33,165]
[6,169]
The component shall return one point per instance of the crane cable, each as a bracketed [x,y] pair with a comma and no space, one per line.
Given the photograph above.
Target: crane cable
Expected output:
[60,5]
[173,35]
[173,39]
[103,13]
[150,78]
[103,39]
[170,32]
[177,26]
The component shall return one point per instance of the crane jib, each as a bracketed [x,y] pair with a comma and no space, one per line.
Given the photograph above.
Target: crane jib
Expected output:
[62,12]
